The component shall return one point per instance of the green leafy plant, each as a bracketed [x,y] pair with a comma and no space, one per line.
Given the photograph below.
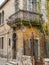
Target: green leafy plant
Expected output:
[30,23]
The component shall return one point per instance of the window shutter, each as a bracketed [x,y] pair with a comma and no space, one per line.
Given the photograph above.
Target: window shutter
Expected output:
[9,41]
[0,18]
[2,42]
[24,46]
[36,48]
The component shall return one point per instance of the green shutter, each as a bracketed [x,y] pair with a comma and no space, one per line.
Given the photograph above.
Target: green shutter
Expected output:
[36,48]
[47,46]
[0,18]
[2,42]
[47,5]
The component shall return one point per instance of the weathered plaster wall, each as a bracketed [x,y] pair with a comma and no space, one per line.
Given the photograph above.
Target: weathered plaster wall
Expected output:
[9,9]
[24,34]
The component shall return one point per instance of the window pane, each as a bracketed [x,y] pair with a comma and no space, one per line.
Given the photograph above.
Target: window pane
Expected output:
[24,4]
[29,5]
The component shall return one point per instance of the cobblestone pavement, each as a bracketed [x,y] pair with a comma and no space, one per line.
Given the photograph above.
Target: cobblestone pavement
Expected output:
[3,61]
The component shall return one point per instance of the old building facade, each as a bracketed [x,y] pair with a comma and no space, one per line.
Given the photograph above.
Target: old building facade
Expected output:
[20,29]
[6,10]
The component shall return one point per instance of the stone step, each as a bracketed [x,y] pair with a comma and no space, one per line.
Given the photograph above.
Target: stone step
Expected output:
[11,63]
[8,64]
[25,60]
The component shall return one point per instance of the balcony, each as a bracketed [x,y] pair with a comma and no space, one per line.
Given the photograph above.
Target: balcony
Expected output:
[24,17]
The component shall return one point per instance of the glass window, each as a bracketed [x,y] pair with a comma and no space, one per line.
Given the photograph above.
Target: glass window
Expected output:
[24,4]
[29,5]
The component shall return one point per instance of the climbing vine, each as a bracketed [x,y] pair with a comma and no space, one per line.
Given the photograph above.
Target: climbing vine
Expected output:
[30,23]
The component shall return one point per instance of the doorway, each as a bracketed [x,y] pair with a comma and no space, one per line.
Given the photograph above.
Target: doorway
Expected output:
[14,45]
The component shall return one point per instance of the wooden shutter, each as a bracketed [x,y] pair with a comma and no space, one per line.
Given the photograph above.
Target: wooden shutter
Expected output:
[2,42]
[47,47]
[0,18]
[36,48]
[9,41]
[24,46]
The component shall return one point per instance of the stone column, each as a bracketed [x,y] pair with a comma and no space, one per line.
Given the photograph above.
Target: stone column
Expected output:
[19,45]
